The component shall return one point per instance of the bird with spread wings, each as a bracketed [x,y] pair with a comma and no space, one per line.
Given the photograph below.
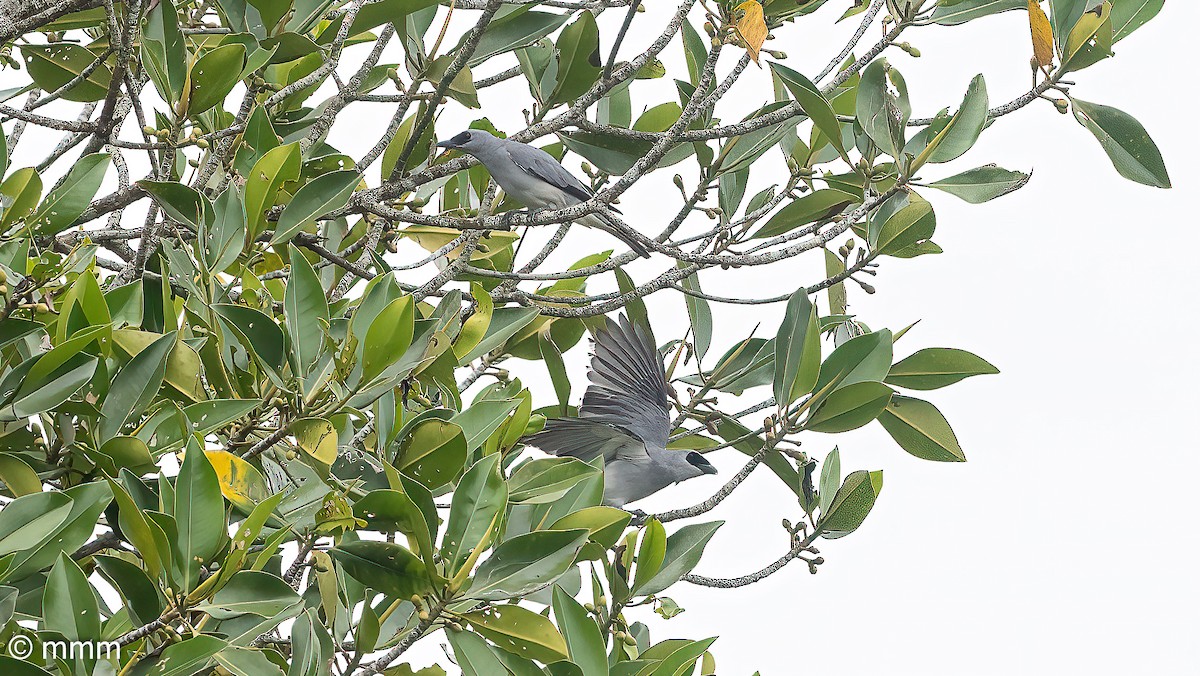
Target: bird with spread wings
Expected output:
[625,417]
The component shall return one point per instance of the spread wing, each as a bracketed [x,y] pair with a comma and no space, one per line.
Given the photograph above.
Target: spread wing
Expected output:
[629,384]
[587,439]
[542,165]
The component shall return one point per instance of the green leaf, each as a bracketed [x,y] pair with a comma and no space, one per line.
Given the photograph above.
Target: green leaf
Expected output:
[164,54]
[482,418]
[278,166]
[478,501]
[1130,148]
[851,504]
[515,29]
[473,655]
[271,11]
[179,202]
[86,503]
[979,185]
[813,207]
[251,592]
[69,602]
[605,524]
[849,408]
[221,241]
[388,337]
[149,540]
[184,658]
[813,103]
[556,368]
[831,478]
[659,118]
[45,394]
[207,416]
[526,563]
[66,202]
[797,350]
[54,65]
[213,77]
[316,198]
[199,515]
[519,631]
[142,598]
[910,225]
[432,452]
[972,116]
[305,310]
[1130,15]
[919,428]
[578,50]
[18,477]
[931,368]
[134,387]
[684,549]
[395,510]
[863,358]
[699,313]
[650,553]
[954,13]
[546,479]
[384,567]
[585,646]
[879,113]
[264,339]
[20,191]
[32,519]
[506,322]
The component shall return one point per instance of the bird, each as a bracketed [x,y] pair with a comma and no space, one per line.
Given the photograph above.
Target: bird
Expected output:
[625,418]
[533,177]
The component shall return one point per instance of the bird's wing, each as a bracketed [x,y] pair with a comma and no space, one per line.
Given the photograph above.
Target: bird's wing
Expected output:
[587,439]
[629,384]
[540,164]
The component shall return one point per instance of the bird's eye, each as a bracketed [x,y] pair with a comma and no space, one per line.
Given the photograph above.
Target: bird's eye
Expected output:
[462,138]
[696,459]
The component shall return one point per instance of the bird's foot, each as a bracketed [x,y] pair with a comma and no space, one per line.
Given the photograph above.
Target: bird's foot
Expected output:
[506,220]
[639,517]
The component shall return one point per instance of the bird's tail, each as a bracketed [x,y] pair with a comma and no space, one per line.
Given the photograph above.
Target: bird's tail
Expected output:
[598,221]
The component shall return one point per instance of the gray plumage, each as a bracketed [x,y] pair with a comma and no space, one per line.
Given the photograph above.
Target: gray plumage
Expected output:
[534,178]
[625,418]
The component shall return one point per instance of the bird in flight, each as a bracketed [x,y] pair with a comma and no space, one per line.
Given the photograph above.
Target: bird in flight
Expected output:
[625,418]
[534,178]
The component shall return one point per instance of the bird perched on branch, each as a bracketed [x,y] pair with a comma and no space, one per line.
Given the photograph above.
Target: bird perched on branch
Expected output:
[534,178]
[625,418]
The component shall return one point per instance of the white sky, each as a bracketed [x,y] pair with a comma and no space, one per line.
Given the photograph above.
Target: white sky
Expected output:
[1064,545]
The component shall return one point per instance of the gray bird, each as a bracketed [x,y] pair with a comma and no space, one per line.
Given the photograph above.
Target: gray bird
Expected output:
[534,178]
[625,418]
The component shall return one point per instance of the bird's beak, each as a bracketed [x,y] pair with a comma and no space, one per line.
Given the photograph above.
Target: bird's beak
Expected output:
[707,468]
[449,145]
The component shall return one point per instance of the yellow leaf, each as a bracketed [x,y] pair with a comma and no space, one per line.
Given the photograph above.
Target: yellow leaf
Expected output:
[1043,34]
[752,27]
[1085,29]
[241,484]
[317,437]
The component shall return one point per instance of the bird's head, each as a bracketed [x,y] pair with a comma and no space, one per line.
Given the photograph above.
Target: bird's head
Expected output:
[469,141]
[701,464]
